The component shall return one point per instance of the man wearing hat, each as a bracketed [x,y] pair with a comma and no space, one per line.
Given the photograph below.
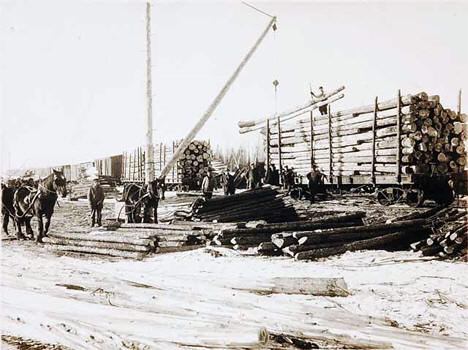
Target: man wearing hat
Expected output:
[323,109]
[208,184]
[96,201]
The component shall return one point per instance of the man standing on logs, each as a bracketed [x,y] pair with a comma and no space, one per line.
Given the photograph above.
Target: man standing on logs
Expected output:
[96,202]
[208,185]
[323,109]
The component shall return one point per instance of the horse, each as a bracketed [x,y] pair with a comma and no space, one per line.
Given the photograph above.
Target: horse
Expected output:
[144,197]
[8,210]
[40,202]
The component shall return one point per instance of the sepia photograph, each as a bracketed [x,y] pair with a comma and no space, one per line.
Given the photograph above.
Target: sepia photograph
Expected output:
[228,174]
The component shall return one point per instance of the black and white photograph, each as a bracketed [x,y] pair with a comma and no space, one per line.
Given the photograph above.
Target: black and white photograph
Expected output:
[228,174]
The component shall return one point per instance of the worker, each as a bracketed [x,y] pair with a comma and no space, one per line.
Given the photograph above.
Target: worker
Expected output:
[253,176]
[274,175]
[96,202]
[261,174]
[321,95]
[208,184]
[315,178]
[228,184]
[285,177]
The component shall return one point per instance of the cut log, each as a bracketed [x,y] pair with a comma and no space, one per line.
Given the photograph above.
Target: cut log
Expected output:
[371,243]
[332,287]
[98,251]
[375,229]
[96,244]
[114,238]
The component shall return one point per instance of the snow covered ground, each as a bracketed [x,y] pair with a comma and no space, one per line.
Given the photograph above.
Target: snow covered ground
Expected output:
[195,300]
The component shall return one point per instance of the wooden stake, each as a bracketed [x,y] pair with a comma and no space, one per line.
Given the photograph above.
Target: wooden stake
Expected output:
[311,140]
[374,125]
[398,157]
[268,144]
[279,147]
[330,152]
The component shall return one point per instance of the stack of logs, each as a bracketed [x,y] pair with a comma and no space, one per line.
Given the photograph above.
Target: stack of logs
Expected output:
[259,204]
[432,139]
[80,190]
[308,240]
[262,235]
[194,163]
[449,235]
[133,240]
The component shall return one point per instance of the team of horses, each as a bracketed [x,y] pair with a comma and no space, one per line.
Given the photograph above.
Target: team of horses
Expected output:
[22,202]
[143,198]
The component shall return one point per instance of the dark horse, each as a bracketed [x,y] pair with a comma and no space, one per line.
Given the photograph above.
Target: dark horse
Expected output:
[8,211]
[29,202]
[146,197]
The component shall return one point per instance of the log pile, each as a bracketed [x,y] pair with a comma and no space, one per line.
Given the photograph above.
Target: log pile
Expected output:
[364,140]
[194,163]
[267,236]
[260,204]
[188,170]
[134,246]
[80,190]
[448,238]
[437,231]
[134,241]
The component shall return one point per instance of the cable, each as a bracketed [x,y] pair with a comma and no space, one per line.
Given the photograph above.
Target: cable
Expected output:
[256,9]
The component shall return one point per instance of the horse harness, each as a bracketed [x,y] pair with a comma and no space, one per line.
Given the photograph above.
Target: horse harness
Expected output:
[37,195]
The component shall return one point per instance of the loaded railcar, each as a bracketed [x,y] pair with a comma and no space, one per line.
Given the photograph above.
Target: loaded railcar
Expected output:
[407,149]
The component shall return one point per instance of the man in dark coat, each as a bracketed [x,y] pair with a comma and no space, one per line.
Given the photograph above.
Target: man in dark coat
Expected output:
[274,175]
[315,178]
[96,202]
[253,176]
[228,184]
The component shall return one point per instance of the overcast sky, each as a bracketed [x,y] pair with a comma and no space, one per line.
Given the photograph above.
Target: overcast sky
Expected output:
[72,73]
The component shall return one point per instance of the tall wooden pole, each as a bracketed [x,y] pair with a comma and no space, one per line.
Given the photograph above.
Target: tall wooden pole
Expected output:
[149,156]
[184,144]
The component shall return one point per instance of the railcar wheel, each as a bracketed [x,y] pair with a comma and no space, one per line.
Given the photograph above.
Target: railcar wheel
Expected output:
[389,195]
[415,197]
[384,197]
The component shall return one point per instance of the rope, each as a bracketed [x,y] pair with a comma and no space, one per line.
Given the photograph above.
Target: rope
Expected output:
[256,9]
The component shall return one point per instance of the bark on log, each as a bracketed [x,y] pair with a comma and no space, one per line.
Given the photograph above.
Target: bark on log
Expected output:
[376,229]
[371,243]
[114,238]
[98,251]
[338,221]
[96,244]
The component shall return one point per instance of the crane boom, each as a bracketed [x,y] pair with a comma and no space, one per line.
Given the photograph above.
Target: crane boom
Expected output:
[184,144]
